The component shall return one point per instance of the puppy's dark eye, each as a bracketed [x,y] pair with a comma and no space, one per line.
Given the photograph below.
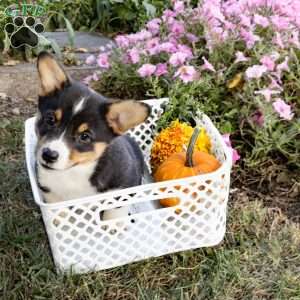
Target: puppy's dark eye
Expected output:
[85,138]
[50,119]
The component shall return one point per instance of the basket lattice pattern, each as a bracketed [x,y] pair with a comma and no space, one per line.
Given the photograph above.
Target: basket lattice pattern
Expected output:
[82,242]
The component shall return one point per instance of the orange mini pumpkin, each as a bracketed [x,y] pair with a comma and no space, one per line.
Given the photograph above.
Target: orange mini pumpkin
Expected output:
[185,164]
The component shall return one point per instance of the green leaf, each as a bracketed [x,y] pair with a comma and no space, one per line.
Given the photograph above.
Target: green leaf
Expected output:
[150,9]
[6,43]
[226,127]
[136,3]
[71,31]
[45,43]
[56,48]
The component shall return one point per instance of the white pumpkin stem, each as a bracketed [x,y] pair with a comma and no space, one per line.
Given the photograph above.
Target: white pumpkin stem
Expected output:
[191,146]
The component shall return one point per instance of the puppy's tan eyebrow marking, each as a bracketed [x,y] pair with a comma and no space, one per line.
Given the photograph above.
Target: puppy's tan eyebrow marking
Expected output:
[58,114]
[83,127]
[83,157]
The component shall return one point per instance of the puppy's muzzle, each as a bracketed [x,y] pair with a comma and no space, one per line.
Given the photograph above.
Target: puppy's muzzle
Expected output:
[49,156]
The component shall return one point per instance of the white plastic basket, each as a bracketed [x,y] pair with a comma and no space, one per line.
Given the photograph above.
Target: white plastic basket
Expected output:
[81,242]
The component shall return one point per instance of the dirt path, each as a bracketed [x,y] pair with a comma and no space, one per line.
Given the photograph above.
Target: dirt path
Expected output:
[16,107]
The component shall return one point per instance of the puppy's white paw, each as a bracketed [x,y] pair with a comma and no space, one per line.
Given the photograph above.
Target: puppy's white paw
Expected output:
[115,213]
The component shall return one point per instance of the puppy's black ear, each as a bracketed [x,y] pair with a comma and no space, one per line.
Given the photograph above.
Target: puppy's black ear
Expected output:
[51,74]
[124,115]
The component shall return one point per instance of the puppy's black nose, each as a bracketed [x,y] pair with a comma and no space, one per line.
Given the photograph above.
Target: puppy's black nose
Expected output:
[49,155]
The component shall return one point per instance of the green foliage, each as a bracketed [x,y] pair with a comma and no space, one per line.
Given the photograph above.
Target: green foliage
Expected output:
[231,109]
[3,21]
[258,131]
[108,16]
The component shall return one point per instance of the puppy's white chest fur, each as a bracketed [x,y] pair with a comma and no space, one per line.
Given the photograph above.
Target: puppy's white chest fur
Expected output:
[67,184]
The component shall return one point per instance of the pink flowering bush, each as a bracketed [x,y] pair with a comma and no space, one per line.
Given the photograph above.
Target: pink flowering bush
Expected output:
[238,61]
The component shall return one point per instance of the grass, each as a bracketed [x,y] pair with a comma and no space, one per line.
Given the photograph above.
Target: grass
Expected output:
[259,258]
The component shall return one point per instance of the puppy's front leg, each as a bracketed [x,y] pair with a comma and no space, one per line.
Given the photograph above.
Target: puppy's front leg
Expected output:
[103,179]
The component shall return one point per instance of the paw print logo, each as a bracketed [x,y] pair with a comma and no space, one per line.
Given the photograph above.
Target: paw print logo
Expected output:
[24,31]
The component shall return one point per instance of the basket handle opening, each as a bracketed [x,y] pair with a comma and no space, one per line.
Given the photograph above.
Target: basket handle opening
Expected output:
[156,202]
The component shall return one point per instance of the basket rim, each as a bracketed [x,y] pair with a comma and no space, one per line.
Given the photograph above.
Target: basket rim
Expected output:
[224,168]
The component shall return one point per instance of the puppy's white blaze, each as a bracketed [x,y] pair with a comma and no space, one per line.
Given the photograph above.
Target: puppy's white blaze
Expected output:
[79,106]
[63,151]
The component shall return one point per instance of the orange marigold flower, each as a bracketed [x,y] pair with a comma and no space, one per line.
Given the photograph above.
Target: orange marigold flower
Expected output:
[174,139]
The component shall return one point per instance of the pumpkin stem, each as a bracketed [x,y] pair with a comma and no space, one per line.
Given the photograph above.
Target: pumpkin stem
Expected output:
[190,149]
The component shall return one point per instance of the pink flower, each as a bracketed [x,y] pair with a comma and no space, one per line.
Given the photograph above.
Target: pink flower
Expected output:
[187,73]
[283,109]
[267,93]
[146,70]
[283,66]
[95,76]
[226,139]
[280,68]
[245,21]
[256,71]
[90,78]
[139,36]
[122,41]
[192,38]
[278,41]
[274,84]
[91,59]
[249,37]
[258,118]
[87,79]
[103,61]
[143,35]
[214,10]
[172,39]
[185,49]
[179,7]
[152,46]
[177,28]
[134,55]
[178,58]
[229,26]
[268,62]
[207,65]
[161,69]
[168,14]
[168,47]
[280,23]
[240,57]
[234,154]
[154,25]
[260,20]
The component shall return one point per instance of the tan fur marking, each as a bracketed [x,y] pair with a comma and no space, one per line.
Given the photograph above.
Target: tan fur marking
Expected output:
[83,157]
[51,74]
[125,115]
[58,114]
[83,127]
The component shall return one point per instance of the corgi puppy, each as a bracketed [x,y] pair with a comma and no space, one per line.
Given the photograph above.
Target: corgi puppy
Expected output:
[82,149]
